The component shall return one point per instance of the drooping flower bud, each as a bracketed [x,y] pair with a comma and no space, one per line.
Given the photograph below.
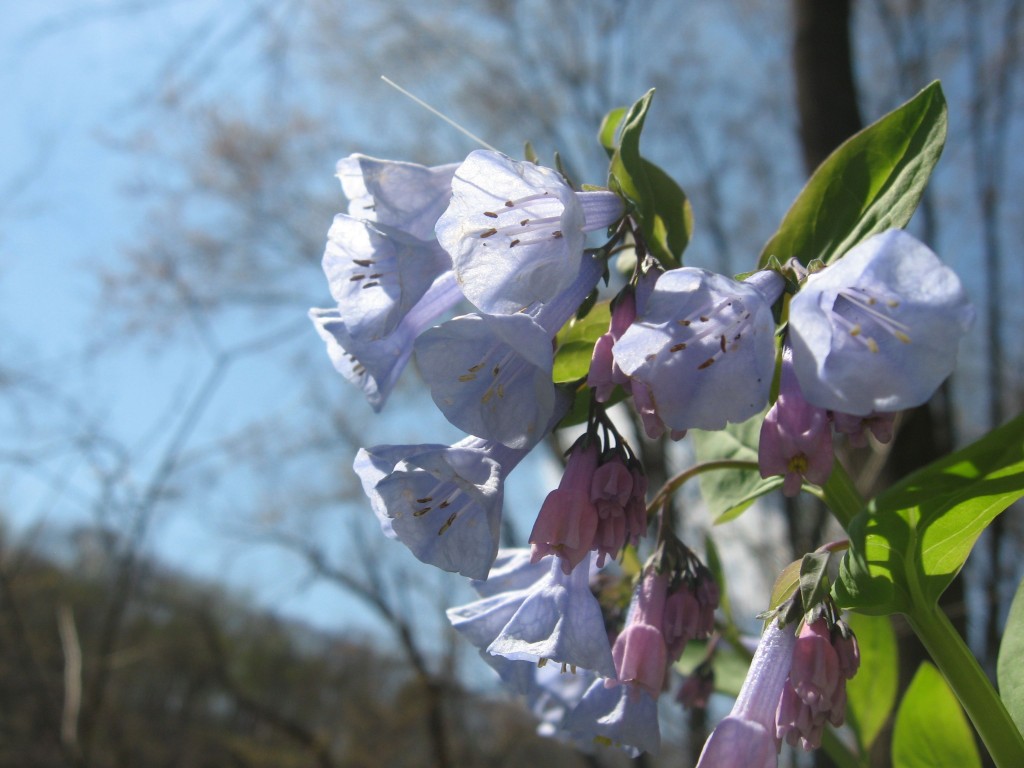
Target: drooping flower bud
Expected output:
[567,521]
[796,437]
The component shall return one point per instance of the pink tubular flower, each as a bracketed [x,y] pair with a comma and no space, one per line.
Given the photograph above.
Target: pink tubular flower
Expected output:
[639,652]
[610,492]
[856,427]
[796,438]
[604,371]
[567,521]
[815,692]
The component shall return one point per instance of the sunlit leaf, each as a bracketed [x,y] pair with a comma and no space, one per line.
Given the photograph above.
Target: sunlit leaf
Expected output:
[871,183]
[931,729]
[871,694]
[729,492]
[785,585]
[915,537]
[1010,669]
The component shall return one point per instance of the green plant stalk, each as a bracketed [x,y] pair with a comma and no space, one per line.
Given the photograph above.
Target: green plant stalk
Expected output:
[841,495]
[948,650]
[970,684]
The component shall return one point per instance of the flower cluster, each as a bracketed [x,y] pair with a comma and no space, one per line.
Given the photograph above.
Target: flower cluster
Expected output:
[796,683]
[506,244]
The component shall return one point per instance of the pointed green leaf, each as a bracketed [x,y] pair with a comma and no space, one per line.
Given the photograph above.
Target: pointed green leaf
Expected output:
[913,539]
[729,492]
[871,183]
[785,585]
[659,205]
[814,583]
[672,224]
[1010,670]
[609,128]
[931,729]
[871,694]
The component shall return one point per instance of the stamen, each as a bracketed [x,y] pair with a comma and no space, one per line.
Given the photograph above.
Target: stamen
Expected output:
[448,523]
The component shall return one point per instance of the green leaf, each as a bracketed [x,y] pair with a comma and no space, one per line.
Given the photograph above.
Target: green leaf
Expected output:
[912,540]
[785,585]
[575,344]
[729,492]
[609,127]
[814,583]
[871,694]
[1010,671]
[871,183]
[672,225]
[659,205]
[931,729]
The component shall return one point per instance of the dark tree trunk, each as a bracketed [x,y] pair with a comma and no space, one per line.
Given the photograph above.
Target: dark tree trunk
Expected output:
[826,99]
[825,92]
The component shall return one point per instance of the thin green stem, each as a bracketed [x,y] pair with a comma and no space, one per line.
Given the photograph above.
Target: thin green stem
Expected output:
[970,684]
[841,495]
[675,482]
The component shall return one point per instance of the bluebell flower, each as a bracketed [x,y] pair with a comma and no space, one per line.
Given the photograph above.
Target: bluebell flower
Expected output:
[490,375]
[403,196]
[878,330]
[515,231]
[555,618]
[443,502]
[377,274]
[701,351]
[620,715]
[746,737]
[374,365]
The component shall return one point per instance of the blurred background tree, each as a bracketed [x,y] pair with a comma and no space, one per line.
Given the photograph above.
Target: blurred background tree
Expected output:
[244,430]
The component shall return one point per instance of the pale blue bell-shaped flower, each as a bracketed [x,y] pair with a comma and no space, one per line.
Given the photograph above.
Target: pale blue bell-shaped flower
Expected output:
[374,365]
[623,715]
[554,618]
[405,196]
[490,375]
[443,502]
[515,231]
[377,274]
[702,348]
[878,330]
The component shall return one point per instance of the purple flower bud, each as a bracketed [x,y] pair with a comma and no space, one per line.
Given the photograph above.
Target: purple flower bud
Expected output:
[878,330]
[639,651]
[515,231]
[604,371]
[696,690]
[703,348]
[815,693]
[815,671]
[847,649]
[796,437]
[610,491]
[567,520]
[856,427]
